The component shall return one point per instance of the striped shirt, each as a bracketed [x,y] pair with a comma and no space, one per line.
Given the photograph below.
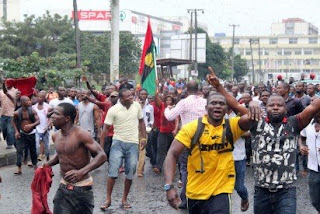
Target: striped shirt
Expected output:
[189,109]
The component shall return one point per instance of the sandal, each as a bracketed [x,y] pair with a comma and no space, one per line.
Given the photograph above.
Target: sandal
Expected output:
[125,206]
[105,206]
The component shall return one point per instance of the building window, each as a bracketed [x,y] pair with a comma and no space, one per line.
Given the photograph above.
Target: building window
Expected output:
[248,53]
[236,41]
[287,53]
[266,53]
[313,40]
[307,52]
[297,53]
[279,53]
[293,40]
[273,41]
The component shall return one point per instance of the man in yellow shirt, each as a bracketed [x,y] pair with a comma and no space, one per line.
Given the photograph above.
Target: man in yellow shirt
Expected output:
[208,189]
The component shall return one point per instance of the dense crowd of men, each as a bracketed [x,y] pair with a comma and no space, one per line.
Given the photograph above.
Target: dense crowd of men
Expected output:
[212,131]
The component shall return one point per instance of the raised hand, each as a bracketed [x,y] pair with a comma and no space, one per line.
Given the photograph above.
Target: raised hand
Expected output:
[254,111]
[212,78]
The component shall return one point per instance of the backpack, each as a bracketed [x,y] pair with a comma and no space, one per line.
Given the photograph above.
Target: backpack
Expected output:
[227,137]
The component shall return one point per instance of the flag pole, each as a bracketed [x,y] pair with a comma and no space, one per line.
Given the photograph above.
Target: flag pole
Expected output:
[155,61]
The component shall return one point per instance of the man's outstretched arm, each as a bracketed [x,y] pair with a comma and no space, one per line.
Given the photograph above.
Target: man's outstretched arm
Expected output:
[231,101]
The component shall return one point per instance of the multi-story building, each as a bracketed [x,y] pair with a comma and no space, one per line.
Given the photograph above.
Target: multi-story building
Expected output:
[290,50]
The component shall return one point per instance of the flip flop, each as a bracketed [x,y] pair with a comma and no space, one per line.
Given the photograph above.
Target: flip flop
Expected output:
[105,206]
[18,173]
[125,206]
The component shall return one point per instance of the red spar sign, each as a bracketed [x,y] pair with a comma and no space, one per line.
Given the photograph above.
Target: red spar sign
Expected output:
[93,15]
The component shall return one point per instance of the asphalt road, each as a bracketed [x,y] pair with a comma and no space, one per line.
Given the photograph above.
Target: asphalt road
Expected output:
[146,195]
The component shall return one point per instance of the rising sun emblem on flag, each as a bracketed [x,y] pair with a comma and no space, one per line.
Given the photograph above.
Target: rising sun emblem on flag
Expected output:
[149,60]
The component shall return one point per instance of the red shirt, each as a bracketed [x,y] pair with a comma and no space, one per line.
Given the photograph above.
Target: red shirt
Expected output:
[165,125]
[101,97]
[157,115]
[105,107]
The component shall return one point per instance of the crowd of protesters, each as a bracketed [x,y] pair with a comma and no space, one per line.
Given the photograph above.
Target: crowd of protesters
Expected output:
[271,127]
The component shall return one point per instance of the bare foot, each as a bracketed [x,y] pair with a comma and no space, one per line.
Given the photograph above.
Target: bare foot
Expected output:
[18,172]
[105,206]
[304,173]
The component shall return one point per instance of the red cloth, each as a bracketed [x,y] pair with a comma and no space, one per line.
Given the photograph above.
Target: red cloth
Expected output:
[25,85]
[40,187]
[165,125]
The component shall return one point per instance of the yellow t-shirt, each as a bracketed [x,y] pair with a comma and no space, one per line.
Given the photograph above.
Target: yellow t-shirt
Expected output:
[219,175]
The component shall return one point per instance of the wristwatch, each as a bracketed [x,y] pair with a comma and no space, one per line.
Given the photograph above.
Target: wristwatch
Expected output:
[167,187]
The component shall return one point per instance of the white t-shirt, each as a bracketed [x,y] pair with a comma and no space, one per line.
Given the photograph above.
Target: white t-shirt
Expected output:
[42,114]
[239,151]
[313,143]
[55,102]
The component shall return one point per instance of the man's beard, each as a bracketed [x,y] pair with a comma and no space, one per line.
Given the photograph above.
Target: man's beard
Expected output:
[298,92]
[276,118]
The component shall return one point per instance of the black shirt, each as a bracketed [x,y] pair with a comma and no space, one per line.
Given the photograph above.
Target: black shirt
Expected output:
[293,106]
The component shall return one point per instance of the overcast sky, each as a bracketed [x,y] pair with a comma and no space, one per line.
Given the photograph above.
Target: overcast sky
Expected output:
[253,16]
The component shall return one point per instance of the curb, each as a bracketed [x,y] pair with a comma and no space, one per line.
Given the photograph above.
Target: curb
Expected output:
[10,158]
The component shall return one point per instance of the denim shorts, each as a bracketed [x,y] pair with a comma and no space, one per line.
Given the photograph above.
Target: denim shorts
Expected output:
[314,189]
[121,151]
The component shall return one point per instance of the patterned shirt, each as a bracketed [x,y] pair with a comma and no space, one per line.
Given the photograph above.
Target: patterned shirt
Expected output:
[190,109]
[274,152]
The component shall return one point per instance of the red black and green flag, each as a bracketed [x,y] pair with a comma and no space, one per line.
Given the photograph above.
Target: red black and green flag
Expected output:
[148,63]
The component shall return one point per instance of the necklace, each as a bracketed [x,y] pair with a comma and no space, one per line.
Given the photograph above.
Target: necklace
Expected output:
[65,135]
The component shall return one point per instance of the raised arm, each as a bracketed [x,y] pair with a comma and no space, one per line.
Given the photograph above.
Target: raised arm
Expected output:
[5,91]
[308,113]
[231,101]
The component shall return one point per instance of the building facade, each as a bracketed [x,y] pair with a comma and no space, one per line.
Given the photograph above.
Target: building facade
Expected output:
[288,52]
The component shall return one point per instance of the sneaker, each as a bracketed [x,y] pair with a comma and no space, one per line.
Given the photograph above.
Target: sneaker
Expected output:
[9,147]
[244,205]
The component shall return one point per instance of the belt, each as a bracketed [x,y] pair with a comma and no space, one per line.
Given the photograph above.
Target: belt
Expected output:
[71,187]
[275,188]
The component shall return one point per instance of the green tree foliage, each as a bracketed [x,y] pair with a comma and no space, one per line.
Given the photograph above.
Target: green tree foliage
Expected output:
[48,43]
[240,65]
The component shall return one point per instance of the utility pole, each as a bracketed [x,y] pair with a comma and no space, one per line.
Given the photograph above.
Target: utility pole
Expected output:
[253,81]
[191,31]
[4,9]
[232,57]
[76,27]
[196,38]
[260,71]
[114,58]
[191,27]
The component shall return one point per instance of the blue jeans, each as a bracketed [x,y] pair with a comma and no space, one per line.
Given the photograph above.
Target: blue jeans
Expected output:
[7,130]
[123,150]
[241,189]
[44,137]
[284,201]
[314,188]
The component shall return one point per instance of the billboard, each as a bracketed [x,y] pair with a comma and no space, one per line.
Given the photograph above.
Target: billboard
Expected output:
[180,47]
[93,15]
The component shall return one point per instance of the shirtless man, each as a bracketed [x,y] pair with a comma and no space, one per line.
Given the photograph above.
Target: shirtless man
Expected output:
[74,147]
[24,123]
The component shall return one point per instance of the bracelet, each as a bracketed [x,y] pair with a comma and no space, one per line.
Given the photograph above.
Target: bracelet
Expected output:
[143,139]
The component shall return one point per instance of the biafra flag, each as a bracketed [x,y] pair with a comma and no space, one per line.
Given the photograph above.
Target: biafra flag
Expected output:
[148,63]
